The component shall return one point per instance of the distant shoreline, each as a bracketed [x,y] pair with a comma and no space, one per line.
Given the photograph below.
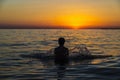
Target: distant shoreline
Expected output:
[60,28]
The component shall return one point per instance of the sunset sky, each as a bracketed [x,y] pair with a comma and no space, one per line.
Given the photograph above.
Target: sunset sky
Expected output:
[60,13]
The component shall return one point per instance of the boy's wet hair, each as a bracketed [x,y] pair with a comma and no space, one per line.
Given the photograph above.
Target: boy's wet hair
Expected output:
[61,41]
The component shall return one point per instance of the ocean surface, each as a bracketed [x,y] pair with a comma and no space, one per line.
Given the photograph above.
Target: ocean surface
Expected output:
[14,42]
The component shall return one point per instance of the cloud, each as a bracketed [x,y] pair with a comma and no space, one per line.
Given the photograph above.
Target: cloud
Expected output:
[1,3]
[119,1]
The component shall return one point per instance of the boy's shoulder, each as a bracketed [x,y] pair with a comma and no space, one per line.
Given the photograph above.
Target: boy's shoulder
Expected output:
[60,48]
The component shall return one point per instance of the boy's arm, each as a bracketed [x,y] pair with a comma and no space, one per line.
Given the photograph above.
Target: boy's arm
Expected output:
[67,52]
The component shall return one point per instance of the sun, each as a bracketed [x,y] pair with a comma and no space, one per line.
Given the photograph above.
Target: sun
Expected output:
[76,21]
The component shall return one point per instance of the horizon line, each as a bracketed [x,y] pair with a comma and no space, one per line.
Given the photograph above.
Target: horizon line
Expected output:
[55,27]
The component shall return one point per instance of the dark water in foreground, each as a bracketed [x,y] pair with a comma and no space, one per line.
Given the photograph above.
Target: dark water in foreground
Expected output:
[13,43]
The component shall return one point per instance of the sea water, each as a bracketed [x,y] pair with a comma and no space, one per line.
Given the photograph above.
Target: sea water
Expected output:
[14,42]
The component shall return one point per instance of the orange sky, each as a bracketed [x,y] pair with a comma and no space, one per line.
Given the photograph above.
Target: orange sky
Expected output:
[68,13]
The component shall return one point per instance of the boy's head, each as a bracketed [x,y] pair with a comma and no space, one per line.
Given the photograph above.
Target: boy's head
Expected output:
[61,41]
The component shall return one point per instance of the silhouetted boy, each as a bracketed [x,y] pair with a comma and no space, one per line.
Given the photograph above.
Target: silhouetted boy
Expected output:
[61,53]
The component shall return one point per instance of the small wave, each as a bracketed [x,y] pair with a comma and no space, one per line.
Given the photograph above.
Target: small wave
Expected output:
[45,56]
[21,44]
[16,44]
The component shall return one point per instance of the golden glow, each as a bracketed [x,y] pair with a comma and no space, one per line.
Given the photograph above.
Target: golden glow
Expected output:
[96,61]
[66,13]
[76,21]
